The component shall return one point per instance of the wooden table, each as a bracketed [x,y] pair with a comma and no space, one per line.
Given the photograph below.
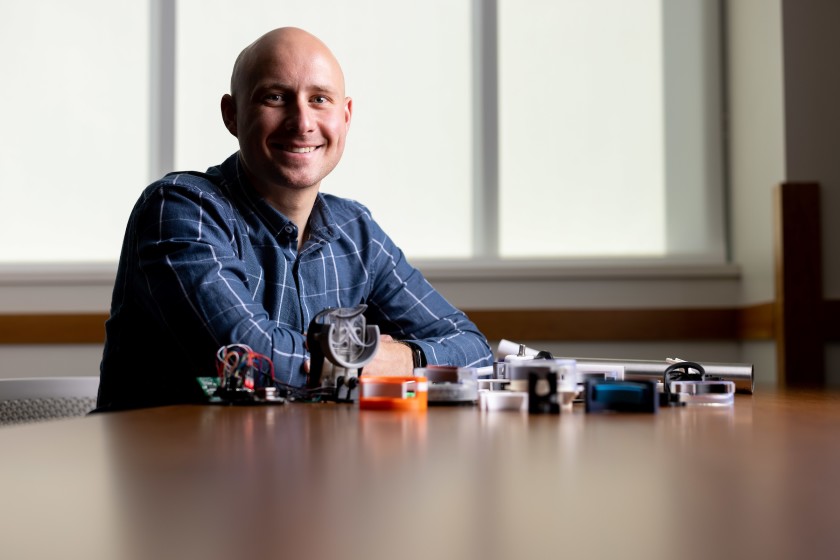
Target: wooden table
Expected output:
[759,480]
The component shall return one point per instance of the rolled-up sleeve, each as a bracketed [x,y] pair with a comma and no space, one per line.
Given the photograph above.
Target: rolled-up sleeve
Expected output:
[408,307]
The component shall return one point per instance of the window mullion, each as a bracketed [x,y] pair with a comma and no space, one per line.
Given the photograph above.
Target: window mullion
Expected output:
[161,88]
[485,130]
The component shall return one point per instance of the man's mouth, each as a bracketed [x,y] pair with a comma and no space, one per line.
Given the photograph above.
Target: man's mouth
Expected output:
[299,149]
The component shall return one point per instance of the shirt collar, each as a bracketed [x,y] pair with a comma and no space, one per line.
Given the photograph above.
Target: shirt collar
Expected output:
[322,225]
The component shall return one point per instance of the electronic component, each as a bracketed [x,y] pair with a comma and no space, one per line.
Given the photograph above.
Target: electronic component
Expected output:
[542,392]
[450,384]
[340,343]
[244,377]
[566,381]
[393,393]
[602,395]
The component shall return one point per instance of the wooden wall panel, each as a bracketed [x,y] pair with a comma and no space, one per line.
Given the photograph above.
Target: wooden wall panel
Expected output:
[76,328]
[800,334]
[517,324]
[608,324]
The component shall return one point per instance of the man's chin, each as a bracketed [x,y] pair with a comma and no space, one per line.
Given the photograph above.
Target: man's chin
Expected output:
[300,178]
[297,182]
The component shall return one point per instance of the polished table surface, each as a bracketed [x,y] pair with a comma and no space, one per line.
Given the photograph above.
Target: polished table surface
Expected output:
[758,480]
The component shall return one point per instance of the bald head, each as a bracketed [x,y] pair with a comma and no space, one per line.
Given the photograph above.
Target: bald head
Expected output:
[288,110]
[262,51]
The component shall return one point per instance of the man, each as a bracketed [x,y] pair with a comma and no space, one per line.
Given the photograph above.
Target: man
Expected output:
[250,251]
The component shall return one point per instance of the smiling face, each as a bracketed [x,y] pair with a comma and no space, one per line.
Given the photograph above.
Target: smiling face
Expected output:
[288,110]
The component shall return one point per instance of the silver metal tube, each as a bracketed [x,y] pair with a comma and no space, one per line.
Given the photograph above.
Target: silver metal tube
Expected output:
[741,374]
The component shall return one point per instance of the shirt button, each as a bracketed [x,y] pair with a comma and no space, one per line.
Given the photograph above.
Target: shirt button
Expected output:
[289,229]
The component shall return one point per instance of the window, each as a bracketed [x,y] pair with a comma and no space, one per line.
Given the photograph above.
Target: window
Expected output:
[581,132]
[609,129]
[74,147]
[481,129]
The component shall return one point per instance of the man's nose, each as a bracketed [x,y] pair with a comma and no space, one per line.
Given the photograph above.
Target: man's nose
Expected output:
[299,117]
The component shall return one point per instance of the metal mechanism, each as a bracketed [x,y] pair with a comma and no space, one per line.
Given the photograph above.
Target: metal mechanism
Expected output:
[688,383]
[340,343]
[450,385]
[742,375]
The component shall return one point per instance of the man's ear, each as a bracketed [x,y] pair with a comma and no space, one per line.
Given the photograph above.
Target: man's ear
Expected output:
[348,111]
[229,113]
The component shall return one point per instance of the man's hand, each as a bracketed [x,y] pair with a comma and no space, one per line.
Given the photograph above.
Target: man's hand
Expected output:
[392,358]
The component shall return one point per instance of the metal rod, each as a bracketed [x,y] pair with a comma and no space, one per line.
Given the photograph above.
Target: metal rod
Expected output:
[741,374]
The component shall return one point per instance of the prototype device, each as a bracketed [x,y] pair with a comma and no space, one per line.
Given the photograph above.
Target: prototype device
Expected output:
[244,377]
[450,385]
[547,382]
[687,382]
[599,371]
[542,393]
[340,343]
[520,356]
[603,395]
[407,393]
[742,375]
[491,401]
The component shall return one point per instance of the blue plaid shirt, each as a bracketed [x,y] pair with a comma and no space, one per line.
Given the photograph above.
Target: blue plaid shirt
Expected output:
[207,262]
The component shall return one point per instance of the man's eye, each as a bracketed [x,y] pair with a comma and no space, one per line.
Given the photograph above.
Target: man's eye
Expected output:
[274,98]
[319,99]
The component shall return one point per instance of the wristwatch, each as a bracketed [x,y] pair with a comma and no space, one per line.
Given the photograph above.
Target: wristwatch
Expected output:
[418,358]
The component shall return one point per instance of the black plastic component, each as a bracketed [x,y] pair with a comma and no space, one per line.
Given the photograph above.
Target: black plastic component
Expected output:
[542,393]
[679,371]
[621,396]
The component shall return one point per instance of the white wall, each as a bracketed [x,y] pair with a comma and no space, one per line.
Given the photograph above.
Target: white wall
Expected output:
[756,138]
[53,289]
[756,151]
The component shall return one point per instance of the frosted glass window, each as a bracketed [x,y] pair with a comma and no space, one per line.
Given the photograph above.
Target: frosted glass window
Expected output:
[408,69]
[581,128]
[74,141]
[610,134]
